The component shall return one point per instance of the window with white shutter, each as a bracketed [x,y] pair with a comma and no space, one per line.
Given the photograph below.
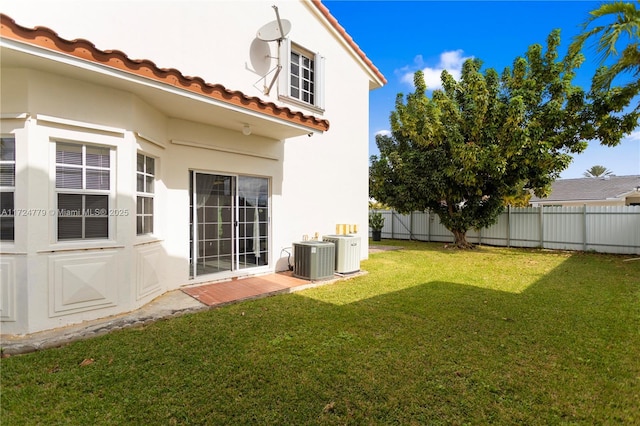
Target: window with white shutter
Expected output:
[302,76]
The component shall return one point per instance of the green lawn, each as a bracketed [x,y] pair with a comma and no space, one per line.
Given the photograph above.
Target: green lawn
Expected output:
[429,336]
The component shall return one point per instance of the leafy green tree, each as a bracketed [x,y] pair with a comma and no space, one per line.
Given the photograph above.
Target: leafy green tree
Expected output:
[597,171]
[477,141]
[375,205]
[519,198]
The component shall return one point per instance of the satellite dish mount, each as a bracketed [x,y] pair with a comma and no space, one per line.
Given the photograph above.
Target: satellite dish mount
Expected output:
[274,31]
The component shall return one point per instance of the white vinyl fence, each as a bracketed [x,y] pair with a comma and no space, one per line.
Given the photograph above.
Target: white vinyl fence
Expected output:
[608,229]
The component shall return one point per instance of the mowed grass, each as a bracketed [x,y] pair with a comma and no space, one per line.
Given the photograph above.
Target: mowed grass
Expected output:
[428,336]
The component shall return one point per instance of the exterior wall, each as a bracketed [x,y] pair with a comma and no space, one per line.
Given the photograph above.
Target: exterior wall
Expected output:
[316,182]
[326,176]
[632,200]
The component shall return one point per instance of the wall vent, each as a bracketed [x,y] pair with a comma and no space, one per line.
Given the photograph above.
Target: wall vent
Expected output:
[313,260]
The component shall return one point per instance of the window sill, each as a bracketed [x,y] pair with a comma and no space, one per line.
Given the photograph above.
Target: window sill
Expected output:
[301,104]
[9,249]
[82,246]
[142,240]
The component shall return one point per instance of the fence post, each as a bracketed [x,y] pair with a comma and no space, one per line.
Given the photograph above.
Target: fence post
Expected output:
[429,225]
[393,234]
[410,226]
[509,225]
[541,227]
[584,227]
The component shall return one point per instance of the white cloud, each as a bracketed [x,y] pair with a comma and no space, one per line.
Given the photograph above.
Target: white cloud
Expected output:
[634,136]
[451,61]
[383,133]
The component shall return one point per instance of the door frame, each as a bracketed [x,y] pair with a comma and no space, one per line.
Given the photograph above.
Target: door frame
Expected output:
[235,237]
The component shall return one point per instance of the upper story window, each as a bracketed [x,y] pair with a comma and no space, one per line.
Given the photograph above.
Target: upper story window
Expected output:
[302,77]
[83,186]
[302,81]
[7,188]
[145,183]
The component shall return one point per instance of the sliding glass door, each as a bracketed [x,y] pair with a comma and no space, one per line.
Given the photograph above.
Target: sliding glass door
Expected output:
[253,221]
[229,223]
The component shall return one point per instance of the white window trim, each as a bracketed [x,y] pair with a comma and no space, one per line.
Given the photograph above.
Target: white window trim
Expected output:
[284,79]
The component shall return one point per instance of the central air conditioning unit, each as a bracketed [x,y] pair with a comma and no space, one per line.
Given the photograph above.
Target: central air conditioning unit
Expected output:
[313,260]
[347,252]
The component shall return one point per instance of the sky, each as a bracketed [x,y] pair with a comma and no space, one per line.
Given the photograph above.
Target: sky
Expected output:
[401,37]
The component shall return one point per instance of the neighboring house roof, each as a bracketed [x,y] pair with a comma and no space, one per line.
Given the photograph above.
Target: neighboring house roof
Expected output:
[590,189]
[46,38]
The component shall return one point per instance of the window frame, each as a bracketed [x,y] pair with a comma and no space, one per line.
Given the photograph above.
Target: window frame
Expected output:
[285,78]
[145,195]
[85,212]
[303,80]
[6,189]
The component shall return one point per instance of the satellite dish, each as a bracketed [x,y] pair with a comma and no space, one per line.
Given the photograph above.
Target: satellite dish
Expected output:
[274,30]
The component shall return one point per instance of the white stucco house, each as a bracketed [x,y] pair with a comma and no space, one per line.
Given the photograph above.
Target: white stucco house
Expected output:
[151,145]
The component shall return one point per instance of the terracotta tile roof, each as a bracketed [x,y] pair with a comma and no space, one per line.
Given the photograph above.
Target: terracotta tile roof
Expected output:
[82,49]
[334,22]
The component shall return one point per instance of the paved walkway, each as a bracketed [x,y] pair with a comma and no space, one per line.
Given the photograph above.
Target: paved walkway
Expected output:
[173,303]
[248,288]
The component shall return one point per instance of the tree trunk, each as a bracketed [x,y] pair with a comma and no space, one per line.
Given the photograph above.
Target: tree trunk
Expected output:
[461,240]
